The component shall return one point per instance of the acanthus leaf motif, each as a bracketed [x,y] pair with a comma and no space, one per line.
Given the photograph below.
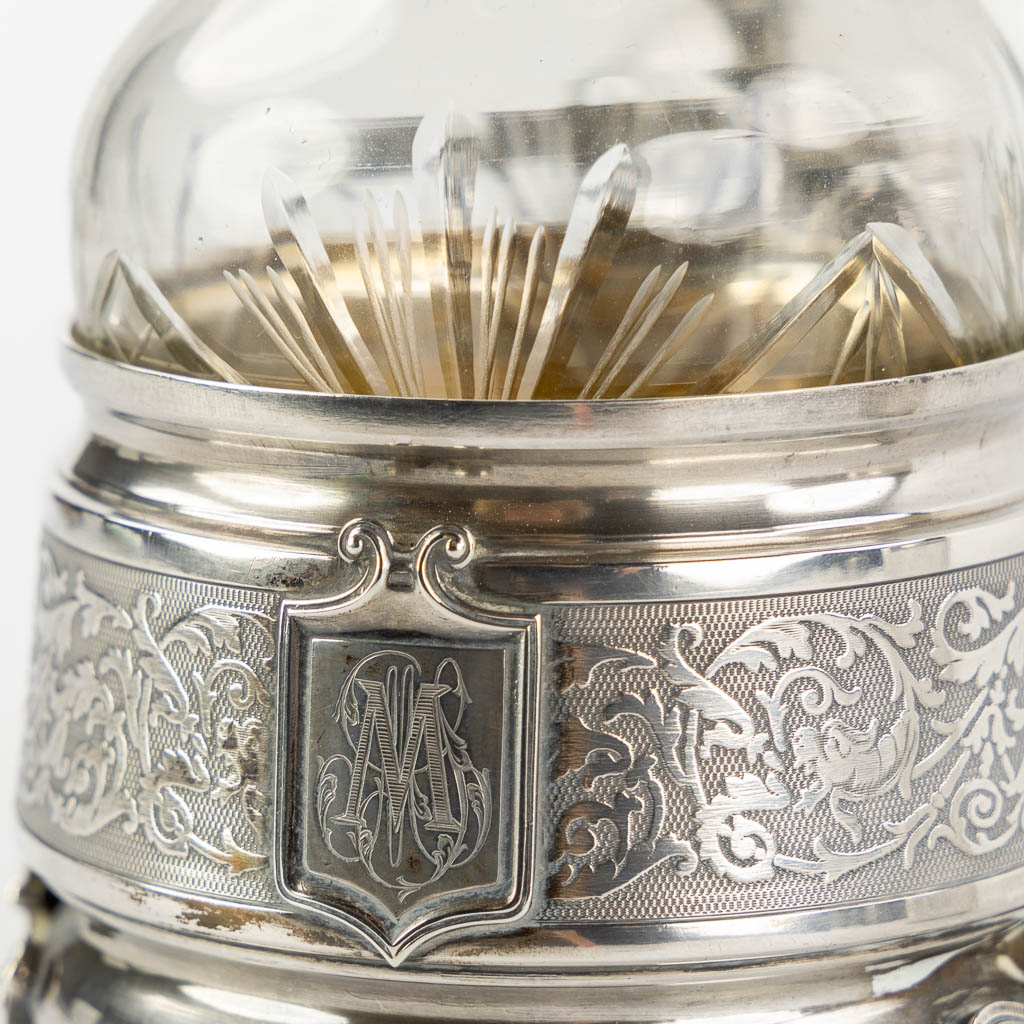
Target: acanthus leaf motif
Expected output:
[666,722]
[120,735]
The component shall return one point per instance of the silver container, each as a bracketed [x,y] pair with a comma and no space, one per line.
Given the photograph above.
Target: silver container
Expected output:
[494,701]
[355,709]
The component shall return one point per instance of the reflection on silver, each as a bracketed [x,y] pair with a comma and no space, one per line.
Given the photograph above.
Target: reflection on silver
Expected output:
[1000,1013]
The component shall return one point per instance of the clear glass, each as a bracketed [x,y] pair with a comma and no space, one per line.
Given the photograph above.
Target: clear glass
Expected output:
[557,199]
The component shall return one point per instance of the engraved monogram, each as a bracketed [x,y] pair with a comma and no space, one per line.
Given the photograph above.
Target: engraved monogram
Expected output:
[408,776]
[406,780]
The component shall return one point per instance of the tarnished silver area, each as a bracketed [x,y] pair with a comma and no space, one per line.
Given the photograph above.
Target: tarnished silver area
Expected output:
[22,971]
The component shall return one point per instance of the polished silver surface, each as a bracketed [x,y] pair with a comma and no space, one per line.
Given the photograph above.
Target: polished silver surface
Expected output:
[94,972]
[450,692]
[1001,1013]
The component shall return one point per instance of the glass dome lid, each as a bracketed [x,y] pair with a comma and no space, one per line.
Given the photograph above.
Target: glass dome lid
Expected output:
[568,199]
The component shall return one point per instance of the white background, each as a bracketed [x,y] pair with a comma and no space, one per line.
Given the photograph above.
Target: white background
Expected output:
[51,51]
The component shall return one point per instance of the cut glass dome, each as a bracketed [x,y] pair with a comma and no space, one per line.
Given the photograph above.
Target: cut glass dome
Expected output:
[569,199]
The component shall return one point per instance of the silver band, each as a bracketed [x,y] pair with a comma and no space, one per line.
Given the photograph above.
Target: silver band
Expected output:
[789,752]
[702,760]
[147,750]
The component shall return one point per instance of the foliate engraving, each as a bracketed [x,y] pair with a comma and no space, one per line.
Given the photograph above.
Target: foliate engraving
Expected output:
[139,720]
[405,783]
[408,778]
[812,757]
[712,758]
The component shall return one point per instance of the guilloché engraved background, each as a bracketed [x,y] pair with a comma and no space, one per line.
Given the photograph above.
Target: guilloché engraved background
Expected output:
[715,758]
[147,750]
[738,757]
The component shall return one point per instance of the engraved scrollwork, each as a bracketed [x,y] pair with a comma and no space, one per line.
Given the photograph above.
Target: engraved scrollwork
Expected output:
[373,549]
[368,546]
[840,720]
[985,809]
[122,726]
